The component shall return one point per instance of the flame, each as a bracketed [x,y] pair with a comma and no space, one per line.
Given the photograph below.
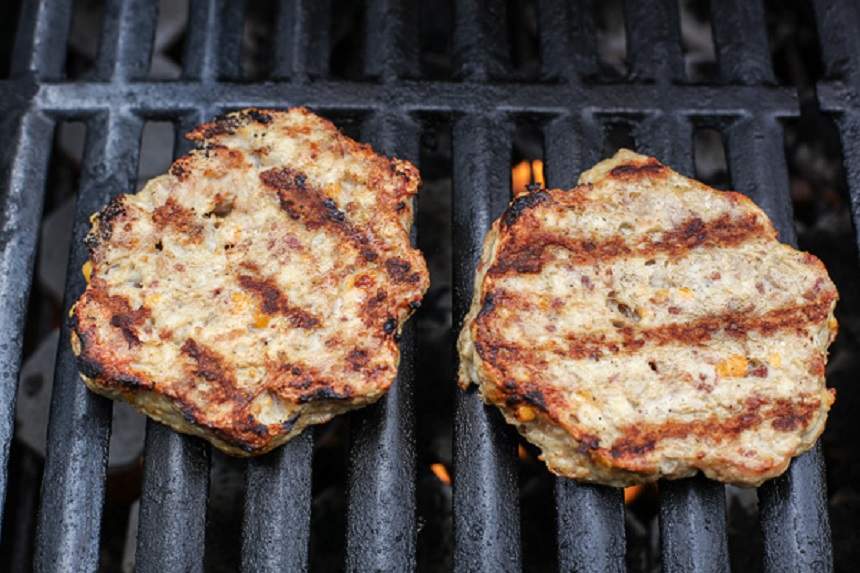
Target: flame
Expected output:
[526,173]
[632,492]
[522,453]
[441,472]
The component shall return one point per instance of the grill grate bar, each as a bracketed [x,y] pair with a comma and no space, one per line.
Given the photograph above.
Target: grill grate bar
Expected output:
[567,41]
[214,43]
[301,39]
[418,96]
[276,524]
[740,38]
[69,519]
[128,30]
[21,211]
[381,512]
[654,40]
[175,482]
[392,39]
[793,507]
[480,46]
[486,499]
[590,518]
[40,39]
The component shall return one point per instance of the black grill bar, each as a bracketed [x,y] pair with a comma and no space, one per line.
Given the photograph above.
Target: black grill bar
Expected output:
[480,44]
[301,39]
[276,524]
[40,41]
[69,520]
[128,29]
[740,37]
[654,40]
[175,481]
[214,43]
[486,494]
[380,533]
[590,518]
[567,42]
[21,210]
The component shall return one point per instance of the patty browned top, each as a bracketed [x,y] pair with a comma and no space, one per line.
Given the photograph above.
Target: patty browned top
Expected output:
[258,287]
[643,325]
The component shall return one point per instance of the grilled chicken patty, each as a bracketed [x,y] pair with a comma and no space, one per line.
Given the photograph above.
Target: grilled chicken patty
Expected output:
[643,325]
[257,288]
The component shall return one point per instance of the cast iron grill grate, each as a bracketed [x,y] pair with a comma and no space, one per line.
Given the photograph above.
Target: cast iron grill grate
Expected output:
[665,109]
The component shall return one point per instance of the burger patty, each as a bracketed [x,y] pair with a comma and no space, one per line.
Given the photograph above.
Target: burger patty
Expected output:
[257,288]
[643,325]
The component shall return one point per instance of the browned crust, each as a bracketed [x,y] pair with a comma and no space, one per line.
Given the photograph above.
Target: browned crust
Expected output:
[273,301]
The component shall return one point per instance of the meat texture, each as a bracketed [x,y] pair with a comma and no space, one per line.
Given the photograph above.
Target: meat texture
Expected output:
[643,325]
[257,288]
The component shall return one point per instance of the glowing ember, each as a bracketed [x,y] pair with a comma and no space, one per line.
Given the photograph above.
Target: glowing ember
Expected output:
[441,472]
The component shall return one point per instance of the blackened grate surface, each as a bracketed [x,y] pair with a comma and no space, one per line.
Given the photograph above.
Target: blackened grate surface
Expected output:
[484,105]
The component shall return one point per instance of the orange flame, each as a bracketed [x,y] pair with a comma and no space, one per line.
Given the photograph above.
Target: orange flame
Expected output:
[526,173]
[632,492]
[441,472]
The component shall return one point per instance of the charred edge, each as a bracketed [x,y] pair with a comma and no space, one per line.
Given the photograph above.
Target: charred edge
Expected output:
[273,301]
[251,425]
[398,269]
[106,218]
[325,393]
[521,204]
[223,125]
[633,170]
[302,202]
[290,423]
[180,168]
[193,416]
[259,116]
[89,367]
[414,304]
[488,305]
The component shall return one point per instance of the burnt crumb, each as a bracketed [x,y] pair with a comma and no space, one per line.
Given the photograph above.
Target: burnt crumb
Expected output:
[159,246]
[357,358]
[112,211]
[389,326]
[757,368]
[325,393]
[535,398]
[398,269]
[179,169]
[534,187]
[414,304]
[521,204]
[125,323]
[400,206]
[333,212]
[259,116]
[652,365]
[369,255]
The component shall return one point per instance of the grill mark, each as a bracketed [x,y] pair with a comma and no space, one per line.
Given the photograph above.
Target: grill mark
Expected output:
[398,269]
[521,204]
[309,204]
[273,301]
[697,332]
[649,168]
[210,366]
[785,415]
[526,253]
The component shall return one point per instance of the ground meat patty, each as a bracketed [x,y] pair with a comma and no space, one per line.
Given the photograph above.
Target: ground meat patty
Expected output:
[643,325]
[257,288]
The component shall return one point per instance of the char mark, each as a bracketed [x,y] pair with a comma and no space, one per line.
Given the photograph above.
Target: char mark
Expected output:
[209,365]
[309,204]
[273,301]
[521,204]
[528,254]
[635,171]
[325,393]
[399,271]
[106,219]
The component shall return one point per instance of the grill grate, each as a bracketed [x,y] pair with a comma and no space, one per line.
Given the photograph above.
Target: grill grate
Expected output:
[381,522]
